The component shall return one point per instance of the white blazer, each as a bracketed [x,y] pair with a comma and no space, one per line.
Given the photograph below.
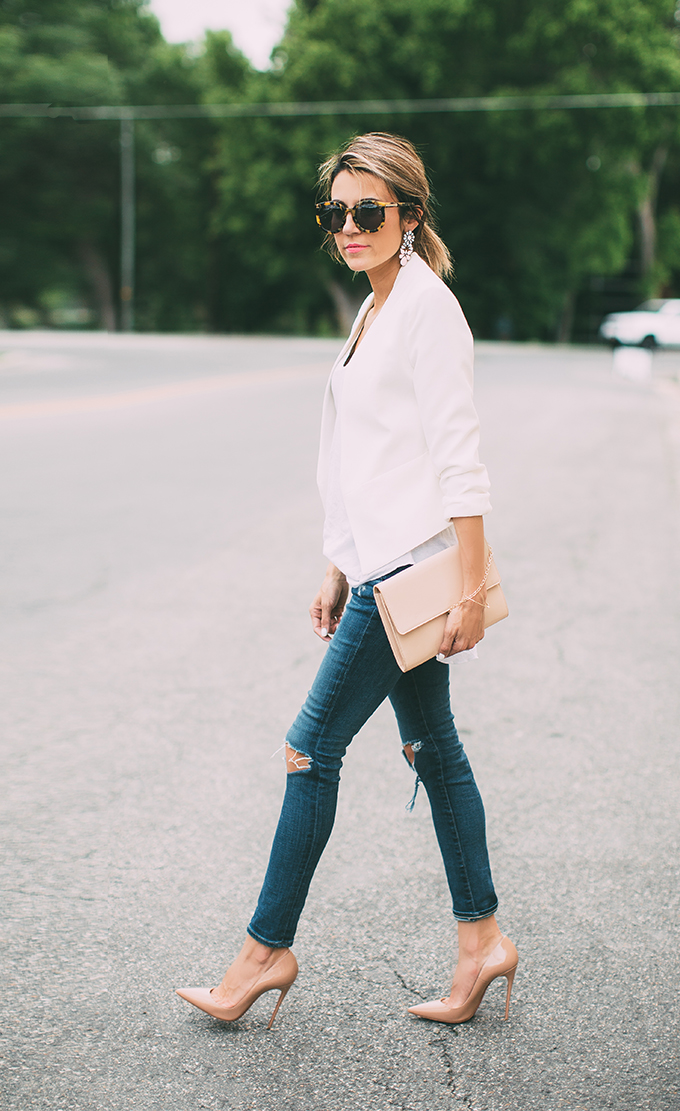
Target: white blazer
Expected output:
[409,429]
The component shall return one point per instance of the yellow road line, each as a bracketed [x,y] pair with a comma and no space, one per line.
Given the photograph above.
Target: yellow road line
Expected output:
[185,388]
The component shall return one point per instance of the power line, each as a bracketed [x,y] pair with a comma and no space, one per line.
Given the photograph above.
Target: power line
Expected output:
[343,107]
[126,114]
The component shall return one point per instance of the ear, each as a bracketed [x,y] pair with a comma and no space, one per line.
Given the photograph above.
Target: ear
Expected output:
[412,219]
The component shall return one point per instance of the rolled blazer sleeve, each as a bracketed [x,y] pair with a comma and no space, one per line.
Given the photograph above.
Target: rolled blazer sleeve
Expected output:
[440,349]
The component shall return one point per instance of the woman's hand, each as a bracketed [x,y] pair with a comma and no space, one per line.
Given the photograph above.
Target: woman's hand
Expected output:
[465,623]
[464,627]
[326,609]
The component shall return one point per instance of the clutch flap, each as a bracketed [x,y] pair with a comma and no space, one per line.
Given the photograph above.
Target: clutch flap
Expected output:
[426,590]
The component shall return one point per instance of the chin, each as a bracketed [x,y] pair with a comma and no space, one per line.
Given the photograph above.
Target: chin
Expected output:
[357,264]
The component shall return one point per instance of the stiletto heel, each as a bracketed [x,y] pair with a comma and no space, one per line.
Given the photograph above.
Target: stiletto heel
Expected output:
[501,962]
[276,1008]
[509,977]
[281,976]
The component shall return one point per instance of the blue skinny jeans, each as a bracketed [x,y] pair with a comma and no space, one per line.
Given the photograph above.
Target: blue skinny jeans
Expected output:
[357,673]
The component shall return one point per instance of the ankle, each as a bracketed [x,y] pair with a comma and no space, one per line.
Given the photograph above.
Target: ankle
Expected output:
[477,939]
[255,952]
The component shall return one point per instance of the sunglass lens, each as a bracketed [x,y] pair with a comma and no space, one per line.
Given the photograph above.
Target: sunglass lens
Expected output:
[332,217]
[338,216]
[369,216]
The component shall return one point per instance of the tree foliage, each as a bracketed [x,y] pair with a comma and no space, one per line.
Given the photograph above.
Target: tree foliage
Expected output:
[533,204]
[60,178]
[539,208]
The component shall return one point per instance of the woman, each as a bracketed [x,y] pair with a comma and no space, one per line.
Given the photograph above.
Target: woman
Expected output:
[400,480]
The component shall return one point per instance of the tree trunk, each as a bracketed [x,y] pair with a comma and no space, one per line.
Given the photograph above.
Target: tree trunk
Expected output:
[566,321]
[98,276]
[647,212]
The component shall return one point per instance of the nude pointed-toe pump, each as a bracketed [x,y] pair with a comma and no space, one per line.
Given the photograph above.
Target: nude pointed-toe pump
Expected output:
[502,961]
[280,977]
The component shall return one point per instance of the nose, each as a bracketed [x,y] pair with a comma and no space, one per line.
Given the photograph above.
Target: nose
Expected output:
[349,227]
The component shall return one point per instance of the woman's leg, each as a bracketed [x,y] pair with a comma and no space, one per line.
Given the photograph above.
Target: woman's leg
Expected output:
[356,675]
[421,702]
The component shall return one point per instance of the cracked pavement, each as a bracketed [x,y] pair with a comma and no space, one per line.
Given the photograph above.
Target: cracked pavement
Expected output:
[162,545]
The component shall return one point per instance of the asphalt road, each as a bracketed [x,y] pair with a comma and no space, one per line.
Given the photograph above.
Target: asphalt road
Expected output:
[160,546]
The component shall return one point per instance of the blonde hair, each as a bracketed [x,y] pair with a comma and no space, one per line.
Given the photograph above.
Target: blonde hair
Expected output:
[396,162]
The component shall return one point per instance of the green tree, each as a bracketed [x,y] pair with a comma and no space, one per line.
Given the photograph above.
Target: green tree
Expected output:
[60,177]
[536,206]
[532,203]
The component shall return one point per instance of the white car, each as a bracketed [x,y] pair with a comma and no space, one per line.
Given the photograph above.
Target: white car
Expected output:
[651,324]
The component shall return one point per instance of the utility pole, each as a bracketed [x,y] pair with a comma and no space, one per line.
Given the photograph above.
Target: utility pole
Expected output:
[128,113]
[127,225]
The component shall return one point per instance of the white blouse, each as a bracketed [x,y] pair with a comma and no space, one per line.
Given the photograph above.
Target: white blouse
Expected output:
[399,441]
[338,541]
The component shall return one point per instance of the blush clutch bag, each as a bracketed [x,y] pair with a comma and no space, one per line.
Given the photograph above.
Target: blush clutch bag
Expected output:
[415,604]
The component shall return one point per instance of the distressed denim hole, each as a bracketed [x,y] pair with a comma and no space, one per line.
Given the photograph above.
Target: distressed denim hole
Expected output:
[410,750]
[296,761]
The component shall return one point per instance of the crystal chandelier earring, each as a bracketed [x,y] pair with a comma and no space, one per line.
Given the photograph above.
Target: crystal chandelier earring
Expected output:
[406,249]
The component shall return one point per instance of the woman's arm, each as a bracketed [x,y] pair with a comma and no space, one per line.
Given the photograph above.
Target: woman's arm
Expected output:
[465,624]
[441,352]
[326,609]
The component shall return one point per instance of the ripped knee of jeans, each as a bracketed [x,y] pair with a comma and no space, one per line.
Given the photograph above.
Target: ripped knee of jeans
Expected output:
[297,761]
[410,750]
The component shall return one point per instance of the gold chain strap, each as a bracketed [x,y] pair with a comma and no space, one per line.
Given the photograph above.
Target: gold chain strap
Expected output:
[472,597]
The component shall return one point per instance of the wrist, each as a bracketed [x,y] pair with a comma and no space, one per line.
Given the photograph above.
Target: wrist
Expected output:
[478,593]
[474,590]
[470,604]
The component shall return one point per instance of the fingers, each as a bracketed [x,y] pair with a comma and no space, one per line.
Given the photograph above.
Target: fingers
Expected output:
[324,621]
[327,622]
[446,648]
[315,612]
[449,647]
[321,630]
[327,608]
[461,633]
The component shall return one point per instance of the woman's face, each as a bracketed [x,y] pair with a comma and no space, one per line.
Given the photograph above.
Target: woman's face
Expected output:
[364,250]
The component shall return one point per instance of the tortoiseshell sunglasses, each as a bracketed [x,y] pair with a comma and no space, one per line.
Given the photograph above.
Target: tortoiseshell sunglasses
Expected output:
[367,215]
